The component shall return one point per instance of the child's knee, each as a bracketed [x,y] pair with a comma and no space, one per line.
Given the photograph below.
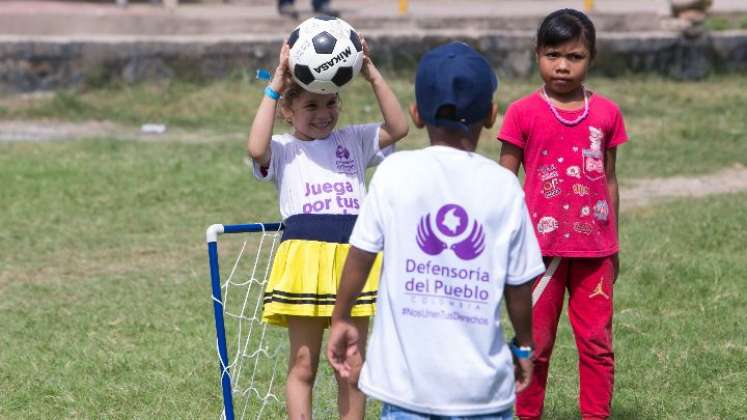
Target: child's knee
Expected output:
[596,343]
[303,368]
[543,344]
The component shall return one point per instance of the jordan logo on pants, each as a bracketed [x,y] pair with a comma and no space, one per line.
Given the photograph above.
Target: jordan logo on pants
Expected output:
[598,291]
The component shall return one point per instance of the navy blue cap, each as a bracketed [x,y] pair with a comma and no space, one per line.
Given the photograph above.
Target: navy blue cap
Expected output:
[457,75]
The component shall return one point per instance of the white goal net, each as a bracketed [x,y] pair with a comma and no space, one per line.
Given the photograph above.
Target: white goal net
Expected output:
[254,358]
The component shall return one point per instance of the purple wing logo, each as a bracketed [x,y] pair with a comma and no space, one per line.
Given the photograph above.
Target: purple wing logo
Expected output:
[473,245]
[427,240]
[342,152]
[451,222]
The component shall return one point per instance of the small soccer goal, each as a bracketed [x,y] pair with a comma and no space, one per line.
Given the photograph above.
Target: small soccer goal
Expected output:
[252,356]
[248,356]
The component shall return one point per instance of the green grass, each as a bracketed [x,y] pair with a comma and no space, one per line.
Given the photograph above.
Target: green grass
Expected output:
[106,312]
[674,127]
[726,22]
[718,23]
[679,341]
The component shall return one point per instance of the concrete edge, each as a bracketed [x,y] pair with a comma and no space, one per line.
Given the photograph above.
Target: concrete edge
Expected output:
[51,62]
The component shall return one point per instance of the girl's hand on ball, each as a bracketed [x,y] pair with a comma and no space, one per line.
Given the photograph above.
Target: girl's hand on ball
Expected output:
[282,77]
[364,44]
[366,69]
[366,59]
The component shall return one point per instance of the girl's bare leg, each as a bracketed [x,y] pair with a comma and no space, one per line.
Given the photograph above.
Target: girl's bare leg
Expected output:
[305,334]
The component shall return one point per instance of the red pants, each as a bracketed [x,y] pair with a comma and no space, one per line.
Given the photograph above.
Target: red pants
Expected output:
[589,282]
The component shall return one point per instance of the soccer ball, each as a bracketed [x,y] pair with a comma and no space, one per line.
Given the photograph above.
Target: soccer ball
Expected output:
[325,54]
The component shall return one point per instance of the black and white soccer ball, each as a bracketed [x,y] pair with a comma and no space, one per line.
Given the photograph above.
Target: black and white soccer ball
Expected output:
[325,54]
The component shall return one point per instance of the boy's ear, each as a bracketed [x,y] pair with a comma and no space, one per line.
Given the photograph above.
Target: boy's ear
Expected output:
[415,115]
[490,120]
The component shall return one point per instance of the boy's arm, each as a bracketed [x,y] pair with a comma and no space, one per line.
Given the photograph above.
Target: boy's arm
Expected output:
[614,192]
[519,308]
[395,125]
[258,144]
[342,346]
[511,157]
[354,274]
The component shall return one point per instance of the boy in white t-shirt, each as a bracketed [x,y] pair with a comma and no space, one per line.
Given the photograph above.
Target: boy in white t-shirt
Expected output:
[456,238]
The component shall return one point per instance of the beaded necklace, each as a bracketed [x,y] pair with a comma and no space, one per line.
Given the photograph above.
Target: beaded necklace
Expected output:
[557,114]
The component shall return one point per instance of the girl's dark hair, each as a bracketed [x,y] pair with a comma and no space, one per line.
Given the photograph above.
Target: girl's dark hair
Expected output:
[566,25]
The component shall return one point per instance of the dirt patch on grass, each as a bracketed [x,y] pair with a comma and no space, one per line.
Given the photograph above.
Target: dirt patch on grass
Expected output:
[47,131]
[650,191]
[15,131]
[112,263]
[639,193]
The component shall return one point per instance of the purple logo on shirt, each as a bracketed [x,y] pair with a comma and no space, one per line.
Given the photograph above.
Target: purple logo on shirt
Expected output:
[342,152]
[451,221]
[344,164]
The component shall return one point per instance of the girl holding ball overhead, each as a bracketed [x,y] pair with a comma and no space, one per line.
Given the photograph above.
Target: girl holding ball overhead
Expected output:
[319,172]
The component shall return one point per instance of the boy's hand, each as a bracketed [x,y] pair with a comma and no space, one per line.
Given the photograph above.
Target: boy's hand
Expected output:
[523,373]
[282,77]
[342,350]
[519,308]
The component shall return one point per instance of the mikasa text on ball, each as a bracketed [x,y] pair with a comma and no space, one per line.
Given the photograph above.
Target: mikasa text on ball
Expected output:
[325,54]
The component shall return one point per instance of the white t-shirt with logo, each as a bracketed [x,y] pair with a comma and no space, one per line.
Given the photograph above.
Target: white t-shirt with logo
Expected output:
[323,176]
[454,230]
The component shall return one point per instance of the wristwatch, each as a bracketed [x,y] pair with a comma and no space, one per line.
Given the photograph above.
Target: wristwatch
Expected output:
[521,352]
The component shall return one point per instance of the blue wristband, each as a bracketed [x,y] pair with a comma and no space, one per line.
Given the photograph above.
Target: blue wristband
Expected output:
[271,93]
[521,352]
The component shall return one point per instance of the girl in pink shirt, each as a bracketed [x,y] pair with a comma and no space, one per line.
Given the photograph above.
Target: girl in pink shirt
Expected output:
[566,137]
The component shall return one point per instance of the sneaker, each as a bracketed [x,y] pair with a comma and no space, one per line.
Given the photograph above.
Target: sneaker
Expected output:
[325,10]
[288,10]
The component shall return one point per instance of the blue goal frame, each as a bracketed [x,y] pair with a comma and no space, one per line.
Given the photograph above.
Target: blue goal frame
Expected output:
[212,243]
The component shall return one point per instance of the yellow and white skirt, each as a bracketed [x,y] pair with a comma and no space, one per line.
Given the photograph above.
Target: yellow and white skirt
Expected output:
[307,267]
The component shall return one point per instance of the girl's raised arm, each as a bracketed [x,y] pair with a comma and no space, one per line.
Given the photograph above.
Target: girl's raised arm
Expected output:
[258,144]
[395,125]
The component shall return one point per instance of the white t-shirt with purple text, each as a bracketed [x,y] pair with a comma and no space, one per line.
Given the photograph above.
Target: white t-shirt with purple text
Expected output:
[323,176]
[455,230]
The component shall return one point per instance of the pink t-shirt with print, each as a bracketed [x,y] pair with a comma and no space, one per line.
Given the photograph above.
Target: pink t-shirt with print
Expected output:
[565,185]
